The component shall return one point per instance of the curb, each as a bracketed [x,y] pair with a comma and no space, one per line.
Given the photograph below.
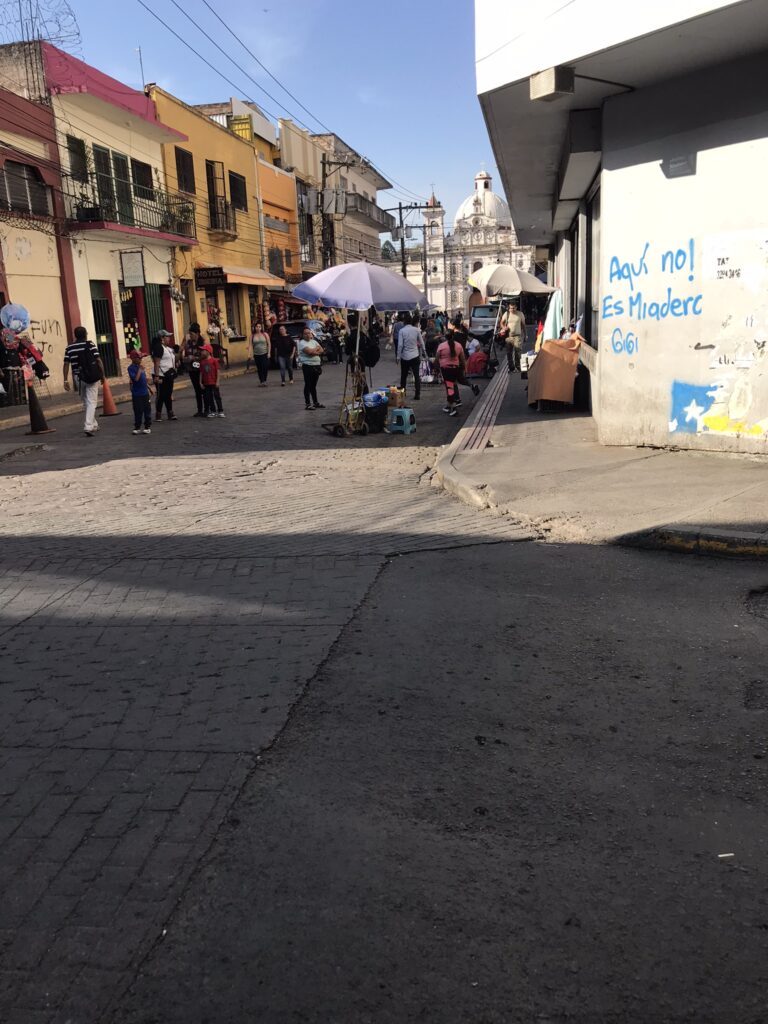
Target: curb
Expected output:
[67,409]
[695,540]
[698,540]
[445,474]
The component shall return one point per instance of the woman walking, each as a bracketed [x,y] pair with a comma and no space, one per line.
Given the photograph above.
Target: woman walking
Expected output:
[310,358]
[190,358]
[165,373]
[449,357]
[262,350]
[285,347]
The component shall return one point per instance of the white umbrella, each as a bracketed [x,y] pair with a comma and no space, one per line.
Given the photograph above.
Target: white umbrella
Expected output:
[503,279]
[360,286]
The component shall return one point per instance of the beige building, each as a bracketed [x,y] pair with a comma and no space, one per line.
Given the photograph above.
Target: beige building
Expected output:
[355,221]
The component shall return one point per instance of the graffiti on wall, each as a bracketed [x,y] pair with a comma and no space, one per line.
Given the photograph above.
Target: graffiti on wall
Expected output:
[727,391]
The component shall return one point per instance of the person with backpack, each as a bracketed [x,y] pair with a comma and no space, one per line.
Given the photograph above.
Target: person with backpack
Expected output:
[82,357]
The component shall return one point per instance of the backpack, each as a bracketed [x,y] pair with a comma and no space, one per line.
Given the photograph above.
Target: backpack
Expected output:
[88,369]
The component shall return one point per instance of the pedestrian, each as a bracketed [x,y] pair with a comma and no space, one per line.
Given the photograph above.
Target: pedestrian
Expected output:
[82,356]
[261,349]
[458,330]
[142,409]
[310,359]
[410,352]
[285,346]
[209,378]
[512,331]
[397,325]
[190,359]
[431,336]
[449,358]
[164,359]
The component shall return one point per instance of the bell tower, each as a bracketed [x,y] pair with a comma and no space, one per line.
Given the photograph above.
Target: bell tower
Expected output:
[434,238]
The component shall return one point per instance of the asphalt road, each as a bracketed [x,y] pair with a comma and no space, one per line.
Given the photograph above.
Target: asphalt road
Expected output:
[288,736]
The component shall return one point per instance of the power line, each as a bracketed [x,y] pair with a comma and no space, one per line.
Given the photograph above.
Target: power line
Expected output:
[231,59]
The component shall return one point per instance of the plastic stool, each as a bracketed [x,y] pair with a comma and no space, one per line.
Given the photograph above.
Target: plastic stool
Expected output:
[402,421]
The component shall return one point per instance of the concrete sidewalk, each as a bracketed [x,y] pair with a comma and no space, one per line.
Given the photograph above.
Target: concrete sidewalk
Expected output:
[548,471]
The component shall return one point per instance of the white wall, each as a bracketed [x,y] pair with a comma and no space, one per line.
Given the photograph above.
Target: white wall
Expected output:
[684,266]
[32,269]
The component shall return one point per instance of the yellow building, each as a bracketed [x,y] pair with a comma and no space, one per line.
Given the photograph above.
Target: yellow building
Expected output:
[281,222]
[223,279]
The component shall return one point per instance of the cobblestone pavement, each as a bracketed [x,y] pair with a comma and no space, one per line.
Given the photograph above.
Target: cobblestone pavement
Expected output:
[164,602]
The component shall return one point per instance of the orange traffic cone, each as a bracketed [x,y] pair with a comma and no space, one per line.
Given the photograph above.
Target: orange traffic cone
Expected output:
[36,418]
[108,407]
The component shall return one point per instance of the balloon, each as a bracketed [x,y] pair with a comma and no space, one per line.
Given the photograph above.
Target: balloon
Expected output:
[14,317]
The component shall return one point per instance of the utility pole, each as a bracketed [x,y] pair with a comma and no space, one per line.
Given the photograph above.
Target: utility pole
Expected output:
[400,210]
[403,267]
[328,229]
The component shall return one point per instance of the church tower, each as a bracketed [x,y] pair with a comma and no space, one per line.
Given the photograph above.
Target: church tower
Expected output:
[434,238]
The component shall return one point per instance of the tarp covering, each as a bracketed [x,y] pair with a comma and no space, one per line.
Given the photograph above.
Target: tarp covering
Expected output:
[552,374]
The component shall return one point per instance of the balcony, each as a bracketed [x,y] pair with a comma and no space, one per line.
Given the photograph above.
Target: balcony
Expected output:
[222,217]
[369,213]
[101,201]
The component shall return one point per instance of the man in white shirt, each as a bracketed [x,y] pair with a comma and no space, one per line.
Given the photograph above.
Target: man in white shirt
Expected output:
[410,352]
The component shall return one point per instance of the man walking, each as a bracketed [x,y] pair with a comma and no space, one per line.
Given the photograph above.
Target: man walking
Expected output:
[410,352]
[513,331]
[82,356]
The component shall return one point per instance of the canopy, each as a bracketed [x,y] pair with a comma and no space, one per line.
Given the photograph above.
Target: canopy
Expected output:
[503,279]
[360,286]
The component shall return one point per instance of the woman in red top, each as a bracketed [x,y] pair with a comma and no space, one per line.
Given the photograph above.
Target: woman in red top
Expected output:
[450,358]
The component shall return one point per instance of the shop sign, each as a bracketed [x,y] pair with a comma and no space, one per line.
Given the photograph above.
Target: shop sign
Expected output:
[132,267]
[209,277]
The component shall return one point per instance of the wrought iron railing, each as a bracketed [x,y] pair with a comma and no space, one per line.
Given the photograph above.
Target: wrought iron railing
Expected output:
[222,216]
[100,198]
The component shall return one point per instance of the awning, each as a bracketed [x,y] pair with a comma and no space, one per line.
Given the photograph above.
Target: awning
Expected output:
[247,275]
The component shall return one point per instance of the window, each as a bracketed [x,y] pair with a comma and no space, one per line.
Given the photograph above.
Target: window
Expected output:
[343,181]
[143,183]
[275,258]
[237,191]
[78,158]
[288,257]
[185,171]
[22,189]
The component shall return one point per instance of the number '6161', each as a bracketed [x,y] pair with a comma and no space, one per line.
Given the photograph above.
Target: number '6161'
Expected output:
[626,344]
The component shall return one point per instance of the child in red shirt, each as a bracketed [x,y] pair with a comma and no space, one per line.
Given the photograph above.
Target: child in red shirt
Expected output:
[209,378]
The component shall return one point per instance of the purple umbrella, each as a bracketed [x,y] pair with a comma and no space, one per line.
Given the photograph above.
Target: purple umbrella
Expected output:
[360,286]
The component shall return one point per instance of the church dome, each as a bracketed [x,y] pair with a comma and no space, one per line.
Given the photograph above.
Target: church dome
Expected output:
[484,203]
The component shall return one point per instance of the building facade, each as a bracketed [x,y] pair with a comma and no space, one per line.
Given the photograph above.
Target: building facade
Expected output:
[223,280]
[122,222]
[353,220]
[36,265]
[638,158]
[300,154]
[482,234]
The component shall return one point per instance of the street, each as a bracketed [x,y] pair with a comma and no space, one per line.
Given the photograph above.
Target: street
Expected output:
[289,735]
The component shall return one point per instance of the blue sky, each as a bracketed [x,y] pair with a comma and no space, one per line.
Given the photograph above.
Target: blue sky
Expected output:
[395,80]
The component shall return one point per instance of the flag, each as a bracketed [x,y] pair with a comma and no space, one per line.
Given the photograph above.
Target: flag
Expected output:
[690,404]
